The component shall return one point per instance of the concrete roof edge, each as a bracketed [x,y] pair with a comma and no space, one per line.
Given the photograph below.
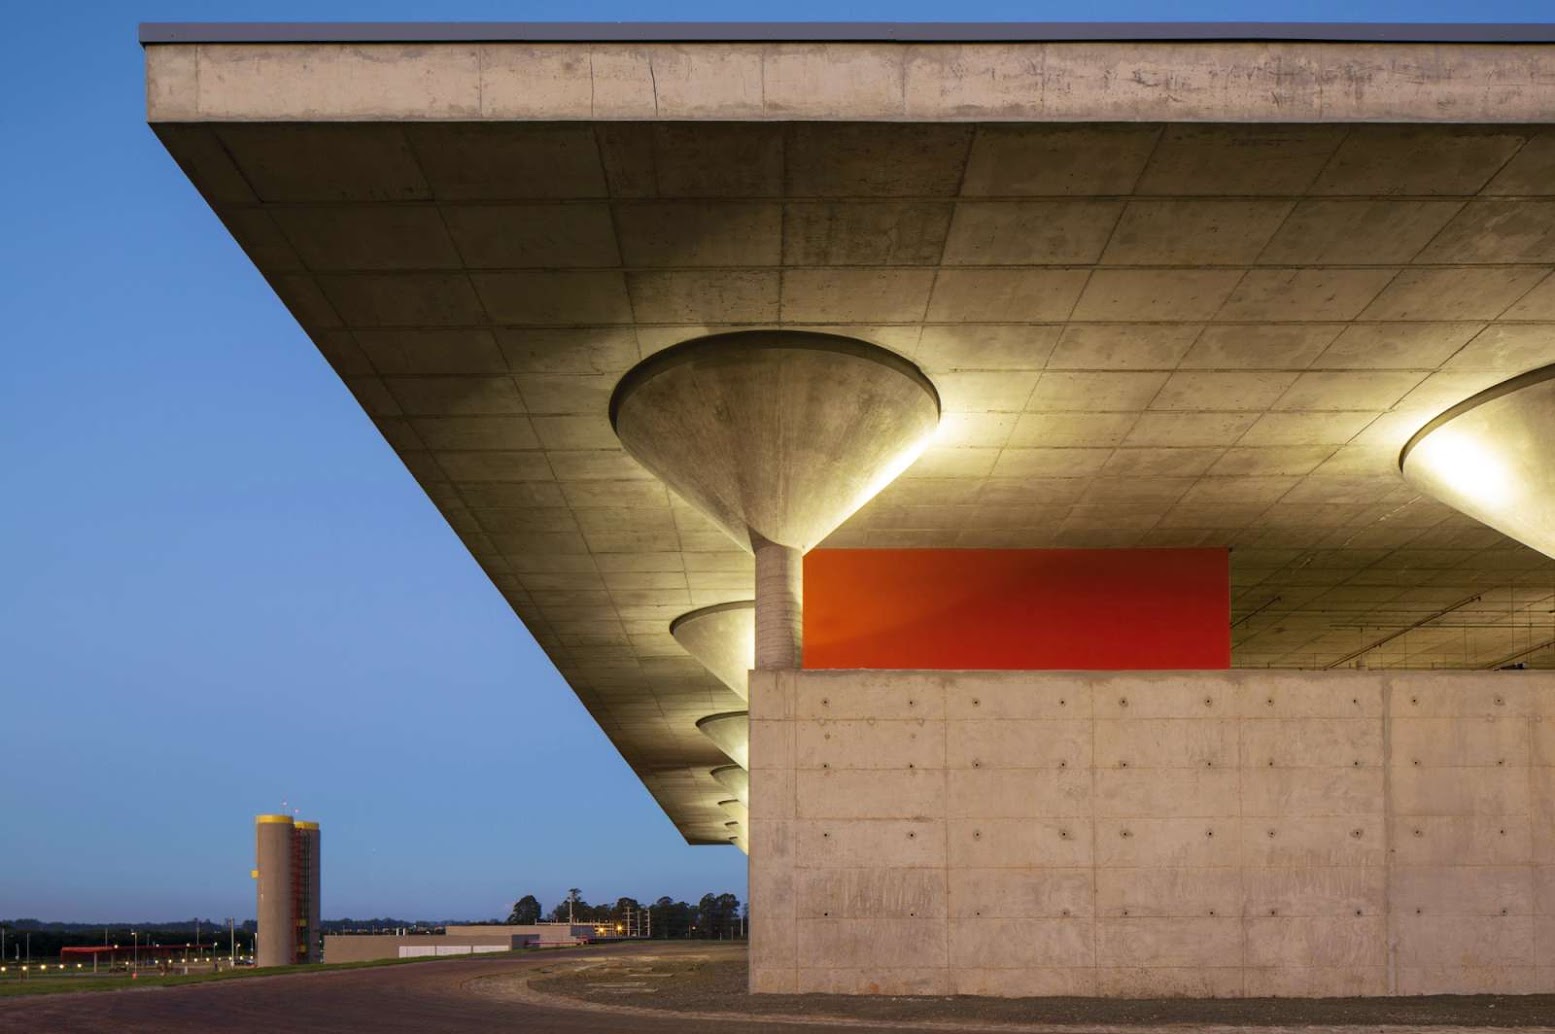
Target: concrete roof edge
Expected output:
[840,32]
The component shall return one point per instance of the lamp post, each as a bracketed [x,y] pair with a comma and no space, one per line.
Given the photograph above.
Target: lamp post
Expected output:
[135,950]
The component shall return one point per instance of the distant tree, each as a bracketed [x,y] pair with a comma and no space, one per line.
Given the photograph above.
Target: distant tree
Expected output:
[573,907]
[526,911]
[672,918]
[718,915]
[625,915]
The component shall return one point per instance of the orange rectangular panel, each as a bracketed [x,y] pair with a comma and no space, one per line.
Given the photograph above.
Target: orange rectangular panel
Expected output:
[1018,609]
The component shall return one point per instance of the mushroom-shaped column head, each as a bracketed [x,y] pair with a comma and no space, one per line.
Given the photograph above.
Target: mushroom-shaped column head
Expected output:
[731,732]
[1492,457]
[775,433]
[777,437]
[723,638]
[734,779]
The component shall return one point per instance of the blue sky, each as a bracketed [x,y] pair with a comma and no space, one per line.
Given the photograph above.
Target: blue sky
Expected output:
[220,591]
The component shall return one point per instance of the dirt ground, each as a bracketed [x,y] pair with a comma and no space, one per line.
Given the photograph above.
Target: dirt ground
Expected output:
[713,981]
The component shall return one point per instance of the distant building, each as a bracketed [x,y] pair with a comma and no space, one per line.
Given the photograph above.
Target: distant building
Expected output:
[456,940]
[287,882]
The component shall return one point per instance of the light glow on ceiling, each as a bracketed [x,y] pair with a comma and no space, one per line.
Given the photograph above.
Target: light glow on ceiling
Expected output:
[892,469]
[1464,462]
[1492,457]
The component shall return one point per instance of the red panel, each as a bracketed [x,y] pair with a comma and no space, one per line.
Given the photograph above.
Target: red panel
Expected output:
[1020,609]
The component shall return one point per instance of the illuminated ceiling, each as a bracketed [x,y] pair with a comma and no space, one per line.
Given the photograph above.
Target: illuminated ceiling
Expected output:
[1144,334]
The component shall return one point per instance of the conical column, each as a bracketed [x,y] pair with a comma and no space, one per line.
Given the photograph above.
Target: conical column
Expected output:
[778,437]
[723,638]
[1490,457]
[734,779]
[731,732]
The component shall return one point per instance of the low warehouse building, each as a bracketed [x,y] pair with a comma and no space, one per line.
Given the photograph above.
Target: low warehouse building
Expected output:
[455,940]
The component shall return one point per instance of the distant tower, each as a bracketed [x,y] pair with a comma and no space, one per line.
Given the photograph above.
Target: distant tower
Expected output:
[305,838]
[287,875]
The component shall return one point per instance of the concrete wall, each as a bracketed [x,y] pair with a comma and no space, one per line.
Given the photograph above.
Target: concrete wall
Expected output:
[1217,833]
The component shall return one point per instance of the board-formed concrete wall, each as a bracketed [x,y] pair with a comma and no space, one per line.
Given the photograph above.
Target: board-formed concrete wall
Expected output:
[1216,833]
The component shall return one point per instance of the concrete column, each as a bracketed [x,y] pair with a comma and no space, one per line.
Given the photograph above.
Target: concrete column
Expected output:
[276,906]
[779,605]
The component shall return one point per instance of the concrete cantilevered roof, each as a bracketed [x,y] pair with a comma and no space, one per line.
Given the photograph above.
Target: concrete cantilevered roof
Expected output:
[1172,293]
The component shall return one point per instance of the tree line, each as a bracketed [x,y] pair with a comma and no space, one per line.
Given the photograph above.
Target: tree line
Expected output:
[34,939]
[715,916]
